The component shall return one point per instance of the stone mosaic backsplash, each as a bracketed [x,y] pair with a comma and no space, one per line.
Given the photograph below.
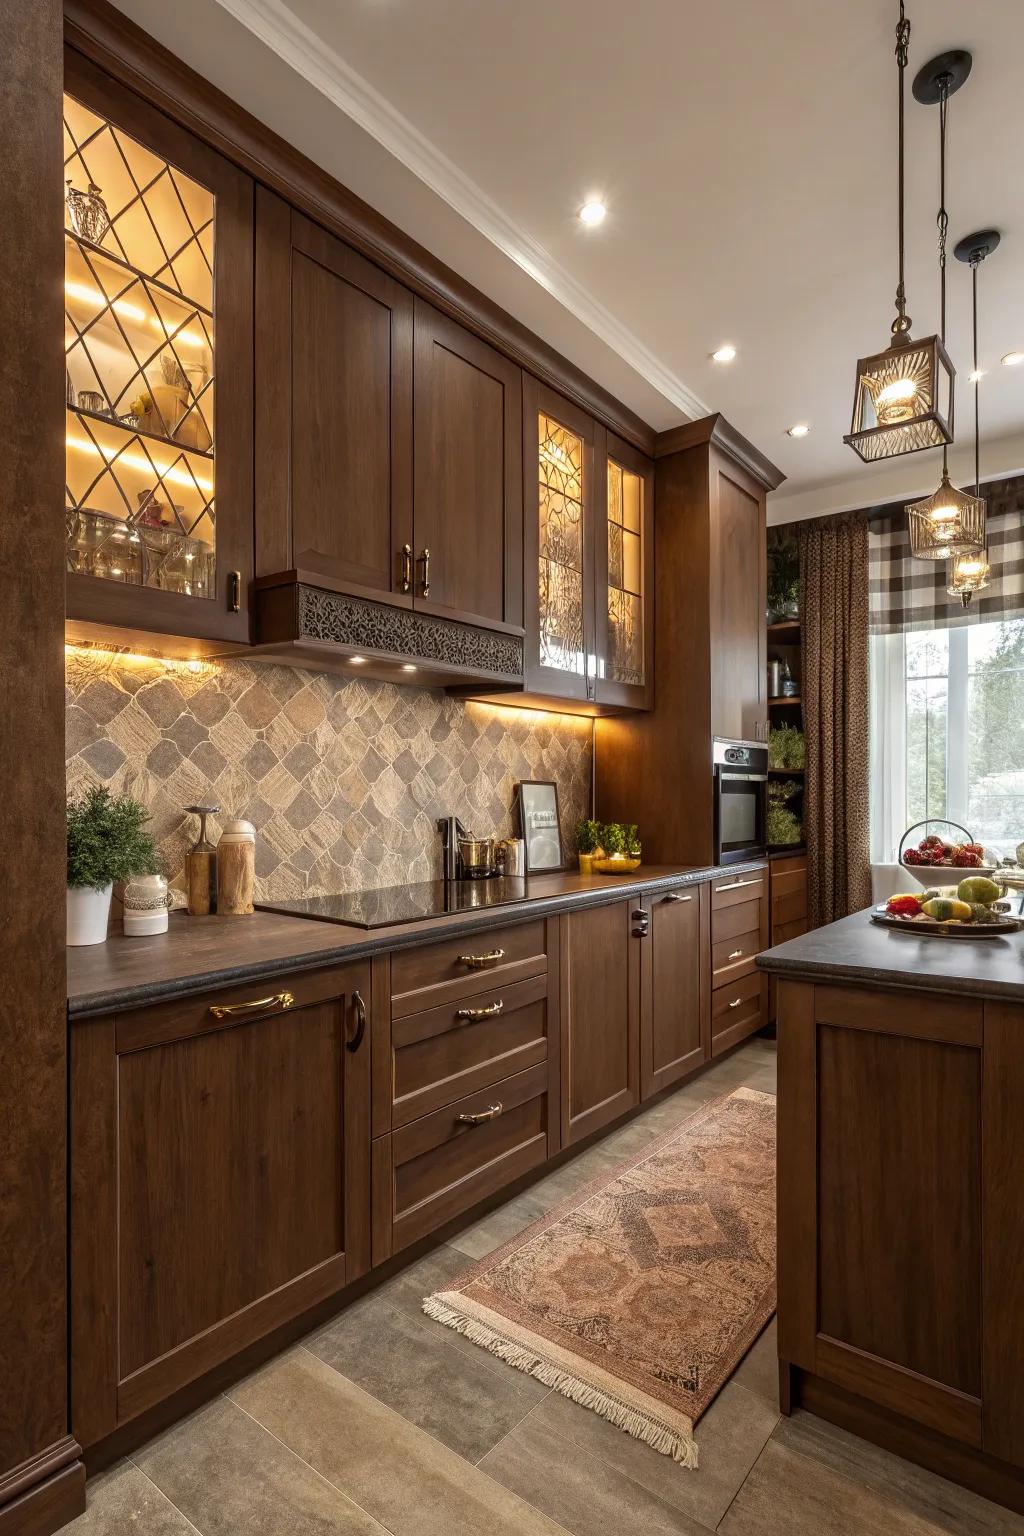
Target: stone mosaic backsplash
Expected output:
[343,780]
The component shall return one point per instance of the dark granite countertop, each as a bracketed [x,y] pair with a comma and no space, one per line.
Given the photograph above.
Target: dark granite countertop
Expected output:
[197,953]
[857,950]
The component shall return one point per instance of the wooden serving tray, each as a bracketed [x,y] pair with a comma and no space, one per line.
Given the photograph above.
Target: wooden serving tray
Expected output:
[999,926]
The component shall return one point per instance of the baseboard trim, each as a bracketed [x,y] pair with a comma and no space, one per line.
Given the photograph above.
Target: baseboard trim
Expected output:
[42,1494]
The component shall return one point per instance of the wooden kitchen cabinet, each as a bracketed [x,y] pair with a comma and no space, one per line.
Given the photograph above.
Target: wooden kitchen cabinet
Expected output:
[468,475]
[674,987]
[220,1150]
[624,581]
[600,1010]
[159,373]
[334,404]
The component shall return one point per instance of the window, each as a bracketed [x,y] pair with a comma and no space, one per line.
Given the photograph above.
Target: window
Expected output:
[947,733]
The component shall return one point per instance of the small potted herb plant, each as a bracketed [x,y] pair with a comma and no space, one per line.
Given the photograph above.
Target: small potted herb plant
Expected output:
[107,842]
[588,844]
[621,849]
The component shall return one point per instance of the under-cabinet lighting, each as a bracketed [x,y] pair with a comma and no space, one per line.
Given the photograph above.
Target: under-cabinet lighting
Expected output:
[139,461]
[110,654]
[358,661]
[409,666]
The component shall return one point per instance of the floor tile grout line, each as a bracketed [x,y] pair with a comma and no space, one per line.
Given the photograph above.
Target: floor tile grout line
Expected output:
[166,1497]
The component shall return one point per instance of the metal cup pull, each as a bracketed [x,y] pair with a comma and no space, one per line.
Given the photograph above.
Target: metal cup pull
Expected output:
[490,1113]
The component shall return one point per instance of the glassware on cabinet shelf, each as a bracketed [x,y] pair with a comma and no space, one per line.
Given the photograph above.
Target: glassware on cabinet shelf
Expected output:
[625,659]
[560,573]
[139,363]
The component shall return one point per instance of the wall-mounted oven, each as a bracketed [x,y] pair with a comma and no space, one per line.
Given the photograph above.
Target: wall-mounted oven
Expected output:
[740,798]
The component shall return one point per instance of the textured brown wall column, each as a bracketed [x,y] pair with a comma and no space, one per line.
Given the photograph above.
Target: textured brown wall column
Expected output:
[40,1477]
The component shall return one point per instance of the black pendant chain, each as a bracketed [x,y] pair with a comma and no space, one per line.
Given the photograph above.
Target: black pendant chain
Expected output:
[901,325]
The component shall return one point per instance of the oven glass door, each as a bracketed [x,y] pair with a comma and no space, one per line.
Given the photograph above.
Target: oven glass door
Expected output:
[741,815]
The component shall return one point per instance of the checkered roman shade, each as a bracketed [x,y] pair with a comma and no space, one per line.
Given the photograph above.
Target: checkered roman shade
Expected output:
[911,594]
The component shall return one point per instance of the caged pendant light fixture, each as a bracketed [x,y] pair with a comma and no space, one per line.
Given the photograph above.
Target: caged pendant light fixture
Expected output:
[968,571]
[903,401]
[950,522]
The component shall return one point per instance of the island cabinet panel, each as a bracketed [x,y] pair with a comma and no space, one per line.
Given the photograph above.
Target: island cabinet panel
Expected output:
[334,410]
[881,1199]
[220,1154]
[675,1034]
[600,1010]
[1003,1232]
[468,475]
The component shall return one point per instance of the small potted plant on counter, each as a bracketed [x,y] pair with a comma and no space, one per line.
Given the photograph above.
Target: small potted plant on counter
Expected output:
[107,842]
[620,846]
[588,844]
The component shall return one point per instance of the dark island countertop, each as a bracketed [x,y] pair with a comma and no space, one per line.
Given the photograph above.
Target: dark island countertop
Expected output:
[857,950]
[197,953]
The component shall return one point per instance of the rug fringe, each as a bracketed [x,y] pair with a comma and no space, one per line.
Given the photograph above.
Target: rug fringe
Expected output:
[682,1448]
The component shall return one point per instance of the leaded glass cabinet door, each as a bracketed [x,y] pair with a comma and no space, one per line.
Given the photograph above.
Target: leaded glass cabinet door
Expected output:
[158,370]
[561,494]
[625,570]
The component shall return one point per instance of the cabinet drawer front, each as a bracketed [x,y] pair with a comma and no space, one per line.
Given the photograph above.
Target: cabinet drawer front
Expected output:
[440,973]
[734,921]
[734,957]
[245,1002]
[735,889]
[791,908]
[460,1047]
[786,881]
[442,1165]
[736,1006]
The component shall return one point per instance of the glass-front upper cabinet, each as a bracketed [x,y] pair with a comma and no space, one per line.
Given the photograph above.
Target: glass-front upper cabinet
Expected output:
[158,370]
[625,577]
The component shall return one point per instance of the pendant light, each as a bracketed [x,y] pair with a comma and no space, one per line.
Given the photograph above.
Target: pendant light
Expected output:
[968,572]
[903,400]
[949,522]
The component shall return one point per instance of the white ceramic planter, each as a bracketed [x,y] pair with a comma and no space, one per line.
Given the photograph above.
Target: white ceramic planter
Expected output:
[88,914]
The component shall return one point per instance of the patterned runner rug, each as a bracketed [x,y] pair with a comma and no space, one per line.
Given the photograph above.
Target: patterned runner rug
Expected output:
[639,1296]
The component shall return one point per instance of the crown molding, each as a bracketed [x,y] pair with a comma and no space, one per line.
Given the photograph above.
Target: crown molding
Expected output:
[280,30]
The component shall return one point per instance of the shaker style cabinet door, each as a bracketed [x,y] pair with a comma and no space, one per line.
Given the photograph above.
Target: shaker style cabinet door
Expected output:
[675,1027]
[158,336]
[468,475]
[600,1011]
[333,410]
[624,580]
[739,640]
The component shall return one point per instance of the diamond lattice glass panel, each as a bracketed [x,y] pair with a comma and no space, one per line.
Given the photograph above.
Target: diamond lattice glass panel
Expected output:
[560,572]
[139,359]
[625,659]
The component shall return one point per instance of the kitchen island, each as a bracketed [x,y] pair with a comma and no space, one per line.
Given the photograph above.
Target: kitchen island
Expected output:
[901,1216]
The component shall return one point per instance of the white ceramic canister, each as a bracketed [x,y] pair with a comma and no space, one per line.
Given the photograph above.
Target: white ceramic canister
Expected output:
[88,911]
[145,905]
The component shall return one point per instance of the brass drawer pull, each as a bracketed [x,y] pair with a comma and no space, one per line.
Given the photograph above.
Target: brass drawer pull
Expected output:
[736,1002]
[405,579]
[674,896]
[230,1010]
[476,962]
[480,1013]
[735,954]
[734,885]
[490,1113]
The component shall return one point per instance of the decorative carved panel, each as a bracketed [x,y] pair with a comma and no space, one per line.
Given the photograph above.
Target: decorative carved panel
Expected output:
[332,616]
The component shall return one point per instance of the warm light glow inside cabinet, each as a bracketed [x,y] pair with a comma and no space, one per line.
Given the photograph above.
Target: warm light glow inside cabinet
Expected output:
[625,566]
[158,349]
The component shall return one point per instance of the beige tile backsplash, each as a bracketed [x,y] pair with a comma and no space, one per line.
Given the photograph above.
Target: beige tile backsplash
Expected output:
[344,781]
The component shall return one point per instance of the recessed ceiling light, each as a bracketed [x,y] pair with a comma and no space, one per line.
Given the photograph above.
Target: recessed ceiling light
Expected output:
[724,354]
[408,666]
[358,661]
[975,375]
[593,211]
[1012,359]
[800,430]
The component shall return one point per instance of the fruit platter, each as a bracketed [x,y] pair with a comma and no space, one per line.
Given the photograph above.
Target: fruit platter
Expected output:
[930,858]
[970,913]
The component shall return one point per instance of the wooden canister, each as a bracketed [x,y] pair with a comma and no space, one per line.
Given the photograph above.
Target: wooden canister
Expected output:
[236,868]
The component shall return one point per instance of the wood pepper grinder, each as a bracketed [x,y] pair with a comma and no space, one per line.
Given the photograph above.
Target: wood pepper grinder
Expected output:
[236,868]
[201,866]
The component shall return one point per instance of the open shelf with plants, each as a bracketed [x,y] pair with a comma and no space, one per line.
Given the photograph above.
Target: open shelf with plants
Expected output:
[786,756]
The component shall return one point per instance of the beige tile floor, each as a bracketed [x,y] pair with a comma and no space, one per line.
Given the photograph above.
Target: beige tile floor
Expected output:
[383,1421]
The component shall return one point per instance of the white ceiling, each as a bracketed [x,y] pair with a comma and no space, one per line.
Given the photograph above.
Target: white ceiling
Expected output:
[746,154]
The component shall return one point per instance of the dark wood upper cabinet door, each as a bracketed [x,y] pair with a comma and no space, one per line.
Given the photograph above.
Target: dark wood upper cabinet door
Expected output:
[563,502]
[624,580]
[333,409]
[600,1013]
[468,475]
[159,359]
[738,600]
[675,987]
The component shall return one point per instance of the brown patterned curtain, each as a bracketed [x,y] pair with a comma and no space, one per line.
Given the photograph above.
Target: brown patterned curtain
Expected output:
[834,662]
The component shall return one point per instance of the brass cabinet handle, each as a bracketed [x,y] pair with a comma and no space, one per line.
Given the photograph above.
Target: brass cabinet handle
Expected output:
[736,1002]
[230,1010]
[734,885]
[675,896]
[425,561]
[490,1113]
[477,962]
[234,591]
[480,1013]
[405,561]
[357,1038]
[735,954]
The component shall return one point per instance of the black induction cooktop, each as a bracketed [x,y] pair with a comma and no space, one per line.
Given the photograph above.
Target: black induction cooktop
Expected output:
[403,903]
